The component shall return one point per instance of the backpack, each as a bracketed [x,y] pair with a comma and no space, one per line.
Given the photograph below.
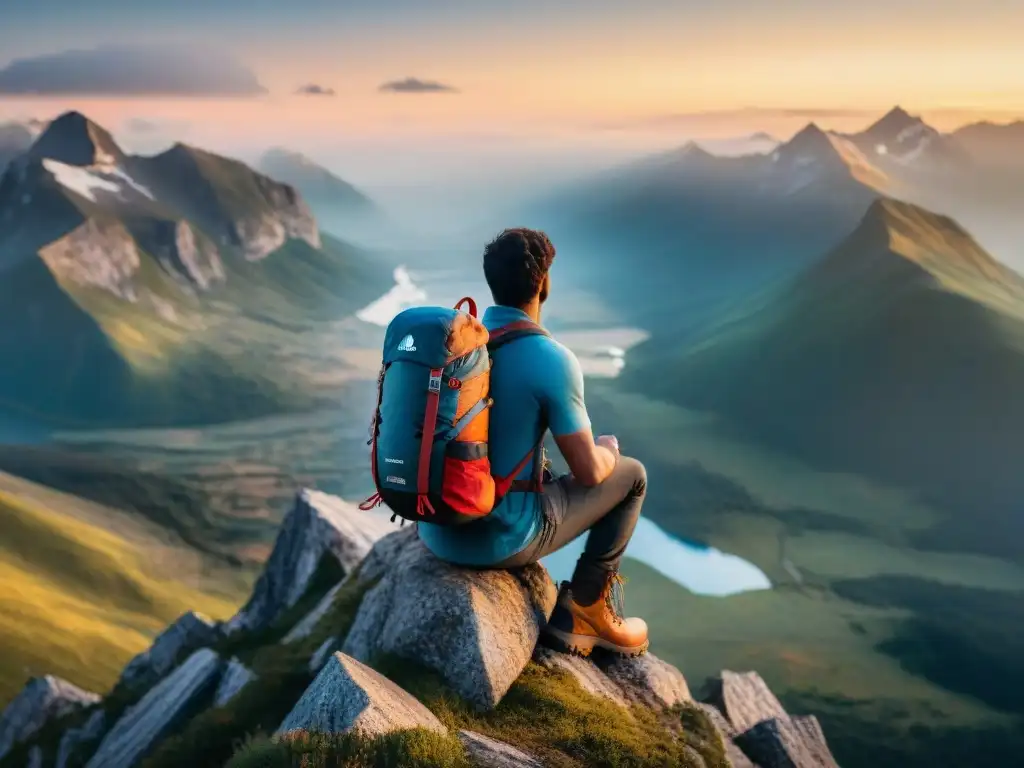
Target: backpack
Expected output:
[429,433]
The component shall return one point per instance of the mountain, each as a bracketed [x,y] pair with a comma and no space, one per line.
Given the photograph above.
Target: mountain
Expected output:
[15,138]
[130,285]
[899,355]
[323,190]
[755,143]
[899,139]
[993,144]
[682,231]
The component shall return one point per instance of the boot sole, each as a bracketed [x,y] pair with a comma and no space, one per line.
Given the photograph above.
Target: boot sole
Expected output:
[584,645]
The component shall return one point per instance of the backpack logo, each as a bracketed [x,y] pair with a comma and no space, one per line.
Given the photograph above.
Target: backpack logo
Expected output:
[408,344]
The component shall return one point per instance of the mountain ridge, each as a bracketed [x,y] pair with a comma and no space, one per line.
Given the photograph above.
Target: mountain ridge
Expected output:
[156,267]
[902,336]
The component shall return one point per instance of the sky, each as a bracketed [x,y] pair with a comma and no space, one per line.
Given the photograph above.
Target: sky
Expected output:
[583,77]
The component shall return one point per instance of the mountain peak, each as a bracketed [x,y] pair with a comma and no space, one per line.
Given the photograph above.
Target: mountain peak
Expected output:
[809,139]
[936,244]
[896,123]
[810,146]
[74,139]
[692,149]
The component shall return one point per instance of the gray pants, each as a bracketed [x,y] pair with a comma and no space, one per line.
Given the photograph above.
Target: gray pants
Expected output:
[609,511]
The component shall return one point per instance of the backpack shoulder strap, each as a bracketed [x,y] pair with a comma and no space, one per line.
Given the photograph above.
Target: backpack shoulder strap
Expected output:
[499,337]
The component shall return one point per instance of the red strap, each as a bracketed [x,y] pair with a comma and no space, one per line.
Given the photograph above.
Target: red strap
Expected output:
[502,484]
[518,325]
[376,499]
[467,300]
[427,442]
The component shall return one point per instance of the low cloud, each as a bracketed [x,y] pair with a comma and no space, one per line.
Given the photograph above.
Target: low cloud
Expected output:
[696,119]
[416,85]
[312,89]
[131,71]
[145,125]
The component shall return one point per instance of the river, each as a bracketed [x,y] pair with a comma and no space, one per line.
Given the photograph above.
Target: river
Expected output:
[602,353]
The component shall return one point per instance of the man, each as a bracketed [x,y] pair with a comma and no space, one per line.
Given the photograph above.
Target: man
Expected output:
[537,385]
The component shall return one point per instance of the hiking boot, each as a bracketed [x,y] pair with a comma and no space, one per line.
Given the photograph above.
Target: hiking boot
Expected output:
[582,628]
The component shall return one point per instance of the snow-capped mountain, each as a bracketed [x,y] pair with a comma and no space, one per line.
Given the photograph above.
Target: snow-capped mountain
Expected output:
[119,269]
[904,139]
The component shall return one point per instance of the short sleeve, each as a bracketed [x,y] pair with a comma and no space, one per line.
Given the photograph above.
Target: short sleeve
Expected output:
[561,392]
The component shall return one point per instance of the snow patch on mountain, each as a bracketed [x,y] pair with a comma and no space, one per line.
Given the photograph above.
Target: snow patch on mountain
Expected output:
[81,181]
[86,181]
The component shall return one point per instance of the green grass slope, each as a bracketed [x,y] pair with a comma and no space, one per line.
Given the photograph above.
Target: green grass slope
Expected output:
[78,599]
[899,356]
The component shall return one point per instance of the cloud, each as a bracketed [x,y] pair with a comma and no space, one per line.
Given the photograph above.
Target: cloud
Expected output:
[145,125]
[312,89]
[415,85]
[131,71]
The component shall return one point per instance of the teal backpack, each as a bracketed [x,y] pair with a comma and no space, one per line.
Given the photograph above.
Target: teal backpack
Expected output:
[430,430]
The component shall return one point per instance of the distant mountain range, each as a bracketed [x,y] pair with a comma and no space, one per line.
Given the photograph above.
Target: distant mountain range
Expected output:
[899,355]
[15,138]
[318,186]
[715,227]
[992,143]
[130,284]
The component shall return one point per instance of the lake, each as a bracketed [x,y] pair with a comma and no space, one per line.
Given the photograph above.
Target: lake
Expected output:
[602,352]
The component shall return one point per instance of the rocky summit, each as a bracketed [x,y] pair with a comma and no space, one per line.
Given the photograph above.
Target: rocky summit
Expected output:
[399,655]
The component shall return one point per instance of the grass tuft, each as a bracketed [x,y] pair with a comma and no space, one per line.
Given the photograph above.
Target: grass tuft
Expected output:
[547,713]
[415,748]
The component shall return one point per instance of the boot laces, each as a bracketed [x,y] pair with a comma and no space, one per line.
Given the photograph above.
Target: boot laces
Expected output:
[615,596]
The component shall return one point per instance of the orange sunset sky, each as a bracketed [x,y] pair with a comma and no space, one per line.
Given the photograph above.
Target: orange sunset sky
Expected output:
[526,69]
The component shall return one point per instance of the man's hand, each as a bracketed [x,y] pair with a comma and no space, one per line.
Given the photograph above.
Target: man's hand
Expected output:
[589,460]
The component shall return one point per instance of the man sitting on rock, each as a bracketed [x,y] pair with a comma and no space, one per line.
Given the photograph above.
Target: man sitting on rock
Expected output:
[537,384]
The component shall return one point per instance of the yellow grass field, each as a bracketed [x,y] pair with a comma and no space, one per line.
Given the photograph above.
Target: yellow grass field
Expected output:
[83,589]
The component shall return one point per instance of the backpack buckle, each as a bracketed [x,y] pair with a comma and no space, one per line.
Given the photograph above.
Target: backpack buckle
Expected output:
[435,383]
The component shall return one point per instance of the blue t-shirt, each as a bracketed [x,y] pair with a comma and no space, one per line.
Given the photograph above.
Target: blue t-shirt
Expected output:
[532,376]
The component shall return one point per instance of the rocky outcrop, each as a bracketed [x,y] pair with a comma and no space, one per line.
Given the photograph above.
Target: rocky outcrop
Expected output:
[181,250]
[317,524]
[145,723]
[477,629]
[736,756]
[587,674]
[485,752]
[289,217]
[348,695]
[648,680]
[644,680]
[191,631]
[782,743]
[91,730]
[96,254]
[235,677]
[309,622]
[744,698]
[757,723]
[41,700]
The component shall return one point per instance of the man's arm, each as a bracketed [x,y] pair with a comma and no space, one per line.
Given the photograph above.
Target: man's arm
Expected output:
[589,460]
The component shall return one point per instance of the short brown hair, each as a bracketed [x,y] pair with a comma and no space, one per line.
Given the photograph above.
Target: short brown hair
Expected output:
[515,265]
